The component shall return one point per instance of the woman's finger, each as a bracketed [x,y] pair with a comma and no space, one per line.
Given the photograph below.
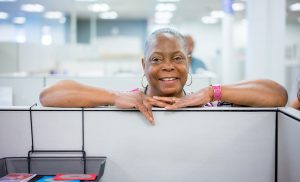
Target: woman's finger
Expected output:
[184,102]
[149,108]
[157,103]
[146,113]
[178,104]
[170,100]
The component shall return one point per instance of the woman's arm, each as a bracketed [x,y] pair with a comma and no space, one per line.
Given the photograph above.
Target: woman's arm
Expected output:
[69,93]
[255,93]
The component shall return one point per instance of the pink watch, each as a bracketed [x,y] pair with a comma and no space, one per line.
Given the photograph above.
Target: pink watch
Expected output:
[217,92]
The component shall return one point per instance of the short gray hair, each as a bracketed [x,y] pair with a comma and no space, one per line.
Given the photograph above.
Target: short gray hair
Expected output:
[160,31]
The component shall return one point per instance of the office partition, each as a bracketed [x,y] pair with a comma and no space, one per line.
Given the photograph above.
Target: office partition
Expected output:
[194,144]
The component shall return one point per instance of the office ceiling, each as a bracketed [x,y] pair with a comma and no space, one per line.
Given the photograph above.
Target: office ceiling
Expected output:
[187,10]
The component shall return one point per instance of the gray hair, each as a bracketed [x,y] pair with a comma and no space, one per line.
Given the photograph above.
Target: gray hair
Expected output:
[170,31]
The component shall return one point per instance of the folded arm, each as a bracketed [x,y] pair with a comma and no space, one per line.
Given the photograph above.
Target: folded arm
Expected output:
[254,93]
[69,93]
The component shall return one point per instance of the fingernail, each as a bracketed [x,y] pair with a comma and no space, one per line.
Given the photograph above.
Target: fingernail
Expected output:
[152,121]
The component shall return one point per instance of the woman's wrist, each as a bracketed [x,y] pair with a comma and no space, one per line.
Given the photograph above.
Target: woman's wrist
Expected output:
[112,97]
[210,93]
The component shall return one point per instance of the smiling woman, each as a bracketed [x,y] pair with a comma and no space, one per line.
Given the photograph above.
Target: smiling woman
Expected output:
[166,65]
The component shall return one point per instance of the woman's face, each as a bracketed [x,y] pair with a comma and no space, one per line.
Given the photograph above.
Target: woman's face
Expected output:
[166,66]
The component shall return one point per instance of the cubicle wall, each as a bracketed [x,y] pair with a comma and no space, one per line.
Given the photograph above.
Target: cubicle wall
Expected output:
[26,89]
[288,145]
[203,144]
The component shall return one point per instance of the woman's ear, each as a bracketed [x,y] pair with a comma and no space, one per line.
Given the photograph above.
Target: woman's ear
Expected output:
[189,58]
[143,63]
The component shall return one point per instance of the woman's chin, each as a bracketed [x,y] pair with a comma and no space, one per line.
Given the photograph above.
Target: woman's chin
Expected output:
[171,92]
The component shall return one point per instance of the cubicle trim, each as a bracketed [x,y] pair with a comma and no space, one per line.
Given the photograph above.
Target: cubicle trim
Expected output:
[289,115]
[154,110]
[276,147]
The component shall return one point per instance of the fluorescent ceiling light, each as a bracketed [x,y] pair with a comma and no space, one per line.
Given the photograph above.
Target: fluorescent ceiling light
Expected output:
[3,15]
[238,6]
[21,38]
[217,14]
[295,7]
[19,20]
[209,20]
[53,15]
[165,7]
[109,15]
[167,1]
[36,8]
[99,7]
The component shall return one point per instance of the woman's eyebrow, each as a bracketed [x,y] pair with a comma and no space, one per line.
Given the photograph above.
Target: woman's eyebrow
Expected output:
[176,52]
[156,53]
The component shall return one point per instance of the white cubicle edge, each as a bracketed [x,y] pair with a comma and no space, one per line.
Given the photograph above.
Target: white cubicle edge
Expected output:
[288,145]
[194,144]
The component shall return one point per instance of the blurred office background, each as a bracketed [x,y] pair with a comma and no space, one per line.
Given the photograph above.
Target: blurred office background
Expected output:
[236,39]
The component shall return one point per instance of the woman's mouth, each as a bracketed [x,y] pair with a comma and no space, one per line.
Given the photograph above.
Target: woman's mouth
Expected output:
[168,79]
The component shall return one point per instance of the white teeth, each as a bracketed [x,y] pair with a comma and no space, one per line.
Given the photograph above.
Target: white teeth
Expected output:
[168,79]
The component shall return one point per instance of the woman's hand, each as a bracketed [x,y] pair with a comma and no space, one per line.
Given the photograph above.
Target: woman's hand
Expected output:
[199,98]
[140,101]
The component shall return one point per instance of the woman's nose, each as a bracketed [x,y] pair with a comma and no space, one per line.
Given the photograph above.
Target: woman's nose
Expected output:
[168,66]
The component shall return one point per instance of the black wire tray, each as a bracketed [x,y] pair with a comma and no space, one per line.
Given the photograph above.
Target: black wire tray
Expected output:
[50,166]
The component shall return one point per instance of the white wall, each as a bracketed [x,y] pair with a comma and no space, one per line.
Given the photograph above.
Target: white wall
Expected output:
[9,59]
[292,62]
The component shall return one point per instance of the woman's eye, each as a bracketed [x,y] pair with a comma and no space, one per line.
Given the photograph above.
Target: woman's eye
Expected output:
[178,59]
[155,60]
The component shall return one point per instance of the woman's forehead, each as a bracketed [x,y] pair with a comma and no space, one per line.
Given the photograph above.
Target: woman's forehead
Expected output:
[166,42]
[166,37]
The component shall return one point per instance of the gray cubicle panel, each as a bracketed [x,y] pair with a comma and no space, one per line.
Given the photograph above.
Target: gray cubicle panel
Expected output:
[124,83]
[288,145]
[26,89]
[15,130]
[195,144]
